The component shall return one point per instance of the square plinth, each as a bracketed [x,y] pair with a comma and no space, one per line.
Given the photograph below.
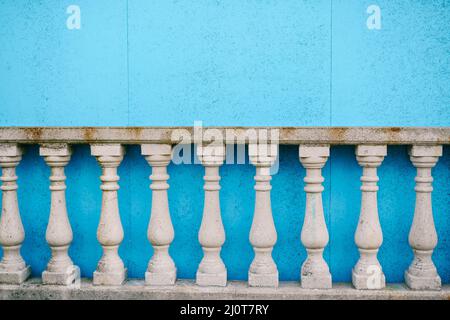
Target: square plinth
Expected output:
[316,282]
[211,279]
[422,283]
[15,277]
[109,278]
[367,281]
[67,278]
[263,280]
[160,278]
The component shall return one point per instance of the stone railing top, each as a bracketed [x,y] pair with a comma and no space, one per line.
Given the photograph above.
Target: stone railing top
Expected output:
[171,135]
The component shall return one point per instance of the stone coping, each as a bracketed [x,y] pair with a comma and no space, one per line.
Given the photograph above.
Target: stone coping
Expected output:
[287,135]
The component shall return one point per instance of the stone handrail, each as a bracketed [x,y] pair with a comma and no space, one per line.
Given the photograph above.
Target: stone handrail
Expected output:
[287,135]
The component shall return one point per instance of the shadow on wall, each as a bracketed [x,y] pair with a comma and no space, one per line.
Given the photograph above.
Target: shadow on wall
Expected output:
[341,200]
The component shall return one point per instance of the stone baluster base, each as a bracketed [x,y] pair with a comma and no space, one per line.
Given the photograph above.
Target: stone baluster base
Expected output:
[422,273]
[13,269]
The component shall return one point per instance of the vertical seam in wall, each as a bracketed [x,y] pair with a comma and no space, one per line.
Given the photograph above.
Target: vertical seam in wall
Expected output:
[128,70]
[331,119]
[128,169]
[331,62]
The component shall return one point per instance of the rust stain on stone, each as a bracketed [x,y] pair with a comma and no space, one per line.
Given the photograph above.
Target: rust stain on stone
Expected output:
[288,132]
[34,133]
[135,132]
[337,134]
[392,133]
[89,134]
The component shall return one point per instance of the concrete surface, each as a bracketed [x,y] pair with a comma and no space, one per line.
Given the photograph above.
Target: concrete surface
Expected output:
[287,135]
[235,290]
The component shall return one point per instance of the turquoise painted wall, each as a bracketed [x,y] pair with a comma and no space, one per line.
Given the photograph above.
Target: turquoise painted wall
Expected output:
[287,63]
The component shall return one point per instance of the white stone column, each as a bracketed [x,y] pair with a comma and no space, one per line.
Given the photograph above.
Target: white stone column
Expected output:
[212,270]
[161,268]
[368,273]
[110,269]
[422,273]
[60,269]
[315,273]
[263,235]
[13,269]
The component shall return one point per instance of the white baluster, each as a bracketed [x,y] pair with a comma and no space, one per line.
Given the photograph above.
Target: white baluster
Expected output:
[315,273]
[368,273]
[60,269]
[110,269]
[422,273]
[263,236]
[13,269]
[161,268]
[211,271]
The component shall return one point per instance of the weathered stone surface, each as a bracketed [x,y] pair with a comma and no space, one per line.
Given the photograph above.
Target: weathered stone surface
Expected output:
[287,135]
[161,278]
[13,268]
[104,150]
[15,276]
[235,290]
[270,279]
[212,270]
[315,273]
[60,269]
[368,273]
[263,235]
[110,268]
[110,278]
[66,278]
[211,279]
[422,273]
[161,269]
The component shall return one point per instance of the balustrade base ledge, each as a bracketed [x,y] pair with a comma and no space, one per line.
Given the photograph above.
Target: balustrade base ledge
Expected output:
[205,279]
[361,281]
[62,278]
[15,277]
[33,289]
[160,279]
[110,278]
[263,280]
[422,283]
[316,282]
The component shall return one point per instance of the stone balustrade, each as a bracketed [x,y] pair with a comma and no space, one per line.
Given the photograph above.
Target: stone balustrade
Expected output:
[108,147]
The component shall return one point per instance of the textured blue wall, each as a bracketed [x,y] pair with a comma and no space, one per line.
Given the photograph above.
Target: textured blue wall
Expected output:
[250,62]
[228,63]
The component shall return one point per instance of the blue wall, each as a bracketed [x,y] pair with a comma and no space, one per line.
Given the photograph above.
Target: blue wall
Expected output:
[232,62]
[251,62]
